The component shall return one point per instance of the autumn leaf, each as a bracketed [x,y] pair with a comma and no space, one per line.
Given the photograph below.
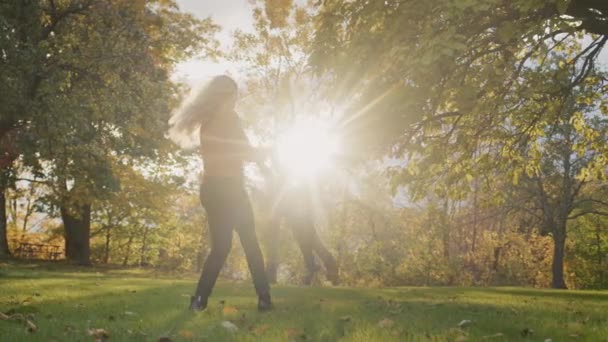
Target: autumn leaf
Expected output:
[386,323]
[229,310]
[527,332]
[497,335]
[30,327]
[465,323]
[261,329]
[187,334]
[346,318]
[100,335]
[17,317]
[231,327]
[293,332]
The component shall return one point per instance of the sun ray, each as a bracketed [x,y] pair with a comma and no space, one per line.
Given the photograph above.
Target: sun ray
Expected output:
[366,108]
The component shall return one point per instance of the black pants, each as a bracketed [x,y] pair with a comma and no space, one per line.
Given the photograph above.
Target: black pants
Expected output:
[305,234]
[297,210]
[228,208]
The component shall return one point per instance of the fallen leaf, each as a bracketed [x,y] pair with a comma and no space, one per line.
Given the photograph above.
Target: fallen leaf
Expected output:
[386,323]
[346,318]
[30,327]
[487,337]
[17,317]
[527,332]
[3,316]
[241,320]
[293,332]
[465,323]
[229,326]
[187,334]
[229,310]
[261,329]
[457,334]
[100,335]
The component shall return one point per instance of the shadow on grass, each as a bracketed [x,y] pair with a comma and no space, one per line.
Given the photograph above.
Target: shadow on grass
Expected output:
[553,293]
[29,269]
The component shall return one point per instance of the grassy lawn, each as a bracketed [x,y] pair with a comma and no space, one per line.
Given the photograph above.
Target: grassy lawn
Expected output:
[65,303]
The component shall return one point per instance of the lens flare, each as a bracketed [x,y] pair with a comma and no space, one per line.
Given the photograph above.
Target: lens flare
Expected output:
[307,148]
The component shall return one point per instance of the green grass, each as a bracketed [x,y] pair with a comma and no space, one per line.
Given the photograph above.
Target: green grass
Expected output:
[65,302]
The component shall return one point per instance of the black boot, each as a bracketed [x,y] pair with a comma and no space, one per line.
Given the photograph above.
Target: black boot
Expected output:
[197,303]
[264,303]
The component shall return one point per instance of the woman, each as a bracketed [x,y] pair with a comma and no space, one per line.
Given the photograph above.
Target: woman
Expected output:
[224,149]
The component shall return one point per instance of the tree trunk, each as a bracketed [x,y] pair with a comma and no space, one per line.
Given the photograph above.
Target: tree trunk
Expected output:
[600,258]
[445,229]
[559,242]
[125,261]
[475,216]
[106,256]
[77,224]
[331,266]
[4,250]
[272,241]
[144,247]
[8,154]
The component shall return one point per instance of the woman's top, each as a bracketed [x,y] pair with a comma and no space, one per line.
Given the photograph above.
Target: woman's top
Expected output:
[224,146]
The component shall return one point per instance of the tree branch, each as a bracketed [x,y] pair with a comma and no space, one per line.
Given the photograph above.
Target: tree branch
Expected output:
[586,212]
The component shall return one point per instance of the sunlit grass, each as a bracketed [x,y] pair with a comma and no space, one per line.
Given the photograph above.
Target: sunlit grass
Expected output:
[134,306]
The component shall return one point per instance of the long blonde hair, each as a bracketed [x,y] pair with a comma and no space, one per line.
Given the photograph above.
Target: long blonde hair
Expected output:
[200,108]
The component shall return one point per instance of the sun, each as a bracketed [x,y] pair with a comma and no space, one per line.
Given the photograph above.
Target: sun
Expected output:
[306,149]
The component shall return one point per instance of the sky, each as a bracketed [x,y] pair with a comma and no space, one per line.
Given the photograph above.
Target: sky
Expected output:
[230,15]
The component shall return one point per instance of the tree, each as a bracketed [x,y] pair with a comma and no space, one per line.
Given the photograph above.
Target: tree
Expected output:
[587,252]
[565,157]
[447,85]
[145,210]
[91,80]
